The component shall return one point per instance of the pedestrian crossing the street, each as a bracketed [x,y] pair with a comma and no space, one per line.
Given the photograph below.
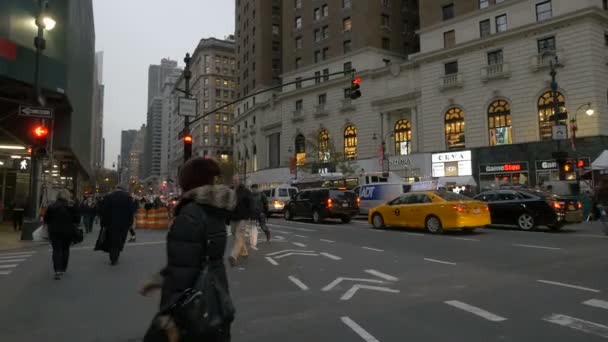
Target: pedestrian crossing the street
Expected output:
[10,261]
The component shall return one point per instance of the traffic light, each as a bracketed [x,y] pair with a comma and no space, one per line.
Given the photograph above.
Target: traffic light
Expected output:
[40,133]
[187,146]
[355,88]
[564,167]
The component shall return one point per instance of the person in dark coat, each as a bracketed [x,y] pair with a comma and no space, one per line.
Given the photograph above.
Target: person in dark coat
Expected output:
[61,218]
[239,222]
[88,211]
[117,214]
[198,231]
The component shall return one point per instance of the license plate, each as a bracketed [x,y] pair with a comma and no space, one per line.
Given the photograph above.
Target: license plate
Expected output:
[344,205]
[476,211]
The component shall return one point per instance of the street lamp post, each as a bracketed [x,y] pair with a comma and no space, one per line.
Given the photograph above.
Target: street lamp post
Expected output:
[383,144]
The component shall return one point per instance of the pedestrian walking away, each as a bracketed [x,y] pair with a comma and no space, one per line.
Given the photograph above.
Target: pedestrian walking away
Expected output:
[259,208]
[239,222]
[88,210]
[18,213]
[117,214]
[196,244]
[62,220]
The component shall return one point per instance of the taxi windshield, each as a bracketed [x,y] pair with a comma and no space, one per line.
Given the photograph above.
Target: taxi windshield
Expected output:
[451,196]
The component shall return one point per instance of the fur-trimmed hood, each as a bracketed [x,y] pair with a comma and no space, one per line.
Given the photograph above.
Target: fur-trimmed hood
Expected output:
[218,196]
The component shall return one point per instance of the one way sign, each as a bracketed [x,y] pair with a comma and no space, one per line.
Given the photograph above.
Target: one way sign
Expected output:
[37,112]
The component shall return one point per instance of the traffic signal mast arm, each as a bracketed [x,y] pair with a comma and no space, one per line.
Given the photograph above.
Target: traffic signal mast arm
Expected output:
[351,71]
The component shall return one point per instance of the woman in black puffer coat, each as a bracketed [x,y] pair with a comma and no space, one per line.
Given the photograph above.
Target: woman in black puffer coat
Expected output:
[200,216]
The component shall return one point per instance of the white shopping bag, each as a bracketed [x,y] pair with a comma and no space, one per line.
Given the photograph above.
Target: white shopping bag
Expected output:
[41,234]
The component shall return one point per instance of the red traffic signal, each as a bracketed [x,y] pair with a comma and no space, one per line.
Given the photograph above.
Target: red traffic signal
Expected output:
[188,138]
[355,91]
[580,164]
[357,81]
[40,132]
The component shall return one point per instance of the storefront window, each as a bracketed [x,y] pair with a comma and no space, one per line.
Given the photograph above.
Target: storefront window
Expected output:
[454,129]
[403,137]
[499,123]
[323,142]
[546,111]
[350,143]
[300,150]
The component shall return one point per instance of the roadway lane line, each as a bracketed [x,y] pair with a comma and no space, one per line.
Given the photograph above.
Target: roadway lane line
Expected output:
[475,311]
[339,280]
[350,293]
[281,231]
[328,241]
[597,303]
[373,249]
[272,261]
[331,256]
[590,235]
[16,256]
[294,253]
[289,250]
[569,285]
[302,236]
[465,239]
[367,337]
[12,260]
[415,234]
[298,283]
[20,253]
[299,244]
[537,247]
[381,275]
[578,324]
[440,262]
[5,272]
[292,228]
[8,266]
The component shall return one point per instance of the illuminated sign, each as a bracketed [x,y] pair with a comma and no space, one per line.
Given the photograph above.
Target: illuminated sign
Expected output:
[452,164]
[506,167]
[581,163]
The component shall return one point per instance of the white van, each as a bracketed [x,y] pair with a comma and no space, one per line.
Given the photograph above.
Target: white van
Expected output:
[277,197]
[375,194]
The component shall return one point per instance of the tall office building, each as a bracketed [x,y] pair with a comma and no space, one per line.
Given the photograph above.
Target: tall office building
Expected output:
[258,44]
[136,167]
[157,74]
[97,156]
[169,108]
[127,139]
[153,141]
[316,31]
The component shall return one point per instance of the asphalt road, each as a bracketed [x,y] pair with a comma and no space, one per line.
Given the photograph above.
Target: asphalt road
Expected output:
[337,282]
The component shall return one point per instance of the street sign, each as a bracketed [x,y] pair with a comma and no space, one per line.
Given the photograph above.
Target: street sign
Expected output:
[560,132]
[36,112]
[186,107]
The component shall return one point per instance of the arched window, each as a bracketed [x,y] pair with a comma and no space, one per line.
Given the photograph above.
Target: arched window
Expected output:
[403,137]
[546,110]
[324,154]
[454,129]
[499,123]
[350,143]
[300,149]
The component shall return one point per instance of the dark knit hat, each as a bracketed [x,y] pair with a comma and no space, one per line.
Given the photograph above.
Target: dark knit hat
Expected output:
[198,172]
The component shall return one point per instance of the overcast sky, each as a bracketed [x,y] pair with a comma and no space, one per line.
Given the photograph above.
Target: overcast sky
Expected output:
[136,33]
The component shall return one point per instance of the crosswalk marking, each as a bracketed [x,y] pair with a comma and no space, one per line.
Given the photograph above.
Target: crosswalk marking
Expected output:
[12,256]
[476,311]
[11,260]
[578,324]
[19,253]
[5,272]
[8,266]
[568,285]
[602,304]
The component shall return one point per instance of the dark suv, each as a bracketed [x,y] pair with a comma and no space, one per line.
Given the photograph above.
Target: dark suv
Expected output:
[323,203]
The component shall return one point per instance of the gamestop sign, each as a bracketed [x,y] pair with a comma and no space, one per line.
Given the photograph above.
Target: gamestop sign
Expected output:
[505,167]
[452,164]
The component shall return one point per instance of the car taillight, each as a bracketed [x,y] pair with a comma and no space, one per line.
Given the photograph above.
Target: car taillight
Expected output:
[358,202]
[555,205]
[459,208]
[579,205]
[276,202]
[329,204]
[487,208]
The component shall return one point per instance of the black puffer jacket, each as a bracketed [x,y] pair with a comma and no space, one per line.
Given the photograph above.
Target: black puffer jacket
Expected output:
[61,217]
[201,213]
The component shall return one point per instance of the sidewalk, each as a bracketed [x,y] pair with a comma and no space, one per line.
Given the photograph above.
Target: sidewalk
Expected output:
[9,239]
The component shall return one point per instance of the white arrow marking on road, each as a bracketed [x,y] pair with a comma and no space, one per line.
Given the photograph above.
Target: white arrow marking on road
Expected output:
[381,275]
[475,310]
[569,285]
[331,256]
[537,247]
[373,249]
[272,261]
[299,244]
[289,250]
[440,262]
[8,266]
[12,260]
[339,280]
[16,256]
[302,236]
[294,253]
[328,241]
[597,303]
[367,337]
[350,293]
[298,283]
[578,324]
[20,253]
[5,272]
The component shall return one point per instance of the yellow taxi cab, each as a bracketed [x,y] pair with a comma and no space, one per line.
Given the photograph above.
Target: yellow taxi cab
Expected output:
[434,211]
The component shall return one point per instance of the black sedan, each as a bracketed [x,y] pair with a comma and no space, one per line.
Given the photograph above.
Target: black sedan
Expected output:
[525,208]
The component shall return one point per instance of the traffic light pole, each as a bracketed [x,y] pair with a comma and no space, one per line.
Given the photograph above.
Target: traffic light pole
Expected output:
[187,77]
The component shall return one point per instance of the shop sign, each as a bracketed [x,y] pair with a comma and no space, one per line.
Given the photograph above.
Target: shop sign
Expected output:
[452,164]
[551,164]
[505,167]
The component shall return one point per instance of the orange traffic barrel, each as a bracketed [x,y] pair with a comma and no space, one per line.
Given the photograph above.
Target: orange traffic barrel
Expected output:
[161,220]
[140,219]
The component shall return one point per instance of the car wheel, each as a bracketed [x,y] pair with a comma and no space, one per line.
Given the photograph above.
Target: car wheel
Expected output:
[525,221]
[377,221]
[433,225]
[288,215]
[346,219]
[316,217]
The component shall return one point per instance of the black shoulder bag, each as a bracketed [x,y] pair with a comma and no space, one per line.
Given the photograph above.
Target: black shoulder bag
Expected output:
[206,308]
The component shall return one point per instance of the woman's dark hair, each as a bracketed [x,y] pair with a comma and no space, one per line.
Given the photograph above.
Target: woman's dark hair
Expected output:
[198,172]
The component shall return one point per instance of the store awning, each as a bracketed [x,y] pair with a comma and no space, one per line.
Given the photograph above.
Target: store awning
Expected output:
[601,162]
[460,180]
